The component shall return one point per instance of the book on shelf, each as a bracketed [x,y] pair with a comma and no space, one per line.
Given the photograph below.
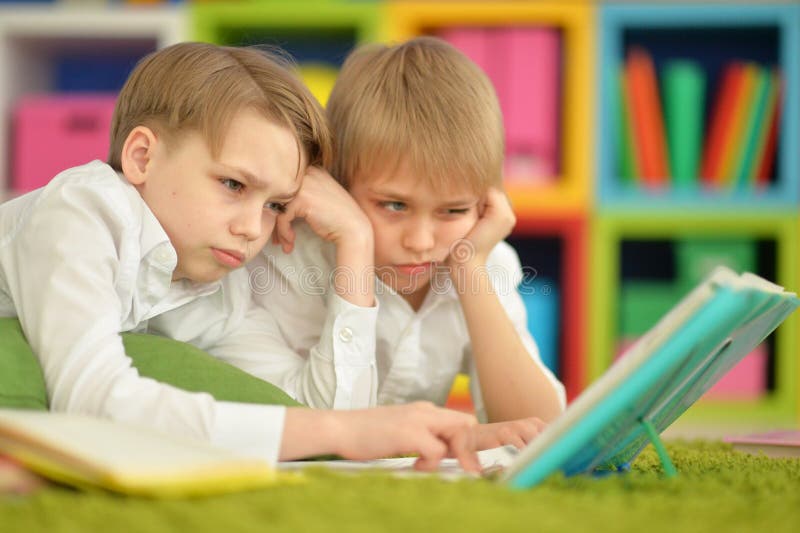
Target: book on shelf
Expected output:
[626,152]
[735,148]
[756,117]
[765,160]
[86,451]
[732,149]
[646,118]
[684,93]
[720,127]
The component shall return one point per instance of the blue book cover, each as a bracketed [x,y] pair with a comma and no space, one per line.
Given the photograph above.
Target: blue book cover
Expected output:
[657,379]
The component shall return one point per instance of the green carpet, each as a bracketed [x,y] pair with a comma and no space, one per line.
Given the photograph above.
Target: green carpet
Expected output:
[716,490]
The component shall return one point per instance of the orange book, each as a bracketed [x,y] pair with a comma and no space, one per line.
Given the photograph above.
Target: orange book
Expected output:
[720,125]
[766,159]
[647,118]
[737,134]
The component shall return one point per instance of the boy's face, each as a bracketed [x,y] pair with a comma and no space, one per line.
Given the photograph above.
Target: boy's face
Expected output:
[219,213]
[414,227]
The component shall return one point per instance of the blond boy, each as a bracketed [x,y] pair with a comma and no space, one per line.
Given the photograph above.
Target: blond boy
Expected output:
[208,145]
[419,148]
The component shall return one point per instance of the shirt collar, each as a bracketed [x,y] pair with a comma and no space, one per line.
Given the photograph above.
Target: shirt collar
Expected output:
[442,290]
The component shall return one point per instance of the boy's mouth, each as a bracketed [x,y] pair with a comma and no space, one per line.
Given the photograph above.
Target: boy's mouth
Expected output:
[413,269]
[229,258]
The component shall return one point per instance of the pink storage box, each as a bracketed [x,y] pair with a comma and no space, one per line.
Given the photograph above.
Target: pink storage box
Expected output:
[524,65]
[747,380]
[530,101]
[54,132]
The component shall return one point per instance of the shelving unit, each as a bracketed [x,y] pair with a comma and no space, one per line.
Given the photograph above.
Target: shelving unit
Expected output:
[711,36]
[579,225]
[572,261]
[33,38]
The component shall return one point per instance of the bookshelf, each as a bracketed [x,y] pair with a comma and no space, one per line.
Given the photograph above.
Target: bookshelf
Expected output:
[660,220]
[42,45]
[583,226]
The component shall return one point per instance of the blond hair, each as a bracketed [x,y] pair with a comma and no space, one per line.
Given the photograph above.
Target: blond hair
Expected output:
[423,104]
[199,87]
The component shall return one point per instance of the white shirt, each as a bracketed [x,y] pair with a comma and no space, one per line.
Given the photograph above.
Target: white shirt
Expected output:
[416,355]
[84,259]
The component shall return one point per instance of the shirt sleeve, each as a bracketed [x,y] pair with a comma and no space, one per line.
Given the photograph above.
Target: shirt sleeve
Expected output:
[505,272]
[320,349]
[61,268]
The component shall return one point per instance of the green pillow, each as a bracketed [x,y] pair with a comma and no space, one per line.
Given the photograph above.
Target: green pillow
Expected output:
[21,380]
[166,360]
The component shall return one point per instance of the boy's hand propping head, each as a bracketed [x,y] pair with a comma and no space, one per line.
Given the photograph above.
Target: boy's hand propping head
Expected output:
[495,221]
[328,209]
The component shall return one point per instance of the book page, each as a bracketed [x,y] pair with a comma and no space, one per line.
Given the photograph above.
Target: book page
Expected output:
[87,450]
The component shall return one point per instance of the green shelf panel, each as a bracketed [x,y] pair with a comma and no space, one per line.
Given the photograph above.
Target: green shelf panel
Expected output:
[696,258]
[213,22]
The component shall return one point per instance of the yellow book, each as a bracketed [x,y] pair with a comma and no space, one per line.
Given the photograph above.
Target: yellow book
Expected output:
[88,452]
[741,112]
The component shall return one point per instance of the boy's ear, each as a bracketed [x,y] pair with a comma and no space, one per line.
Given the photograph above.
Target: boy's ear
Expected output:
[137,151]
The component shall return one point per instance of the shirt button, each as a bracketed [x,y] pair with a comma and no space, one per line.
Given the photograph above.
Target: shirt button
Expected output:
[345,334]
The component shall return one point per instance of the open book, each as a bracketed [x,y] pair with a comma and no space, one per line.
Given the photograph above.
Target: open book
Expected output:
[91,452]
[655,381]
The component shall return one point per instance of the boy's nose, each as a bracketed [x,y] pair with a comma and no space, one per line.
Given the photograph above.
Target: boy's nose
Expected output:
[250,223]
[419,237]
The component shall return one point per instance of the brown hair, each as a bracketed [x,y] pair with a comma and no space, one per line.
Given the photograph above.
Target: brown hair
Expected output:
[421,103]
[199,86]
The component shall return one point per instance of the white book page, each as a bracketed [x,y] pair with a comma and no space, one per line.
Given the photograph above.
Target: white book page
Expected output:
[97,446]
[490,460]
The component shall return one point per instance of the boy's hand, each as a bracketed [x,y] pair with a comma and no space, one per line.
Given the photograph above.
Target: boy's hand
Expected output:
[419,428]
[328,209]
[495,222]
[515,432]
[431,432]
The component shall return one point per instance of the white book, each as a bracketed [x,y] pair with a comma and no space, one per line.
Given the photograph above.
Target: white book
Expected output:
[86,451]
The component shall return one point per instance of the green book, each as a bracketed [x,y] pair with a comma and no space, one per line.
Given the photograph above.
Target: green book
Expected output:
[625,152]
[684,93]
[757,115]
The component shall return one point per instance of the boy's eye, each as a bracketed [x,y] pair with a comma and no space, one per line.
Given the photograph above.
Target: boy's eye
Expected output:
[458,211]
[276,207]
[232,184]
[393,206]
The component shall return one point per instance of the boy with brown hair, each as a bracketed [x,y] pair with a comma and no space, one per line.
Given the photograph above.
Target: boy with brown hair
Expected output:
[419,139]
[208,146]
